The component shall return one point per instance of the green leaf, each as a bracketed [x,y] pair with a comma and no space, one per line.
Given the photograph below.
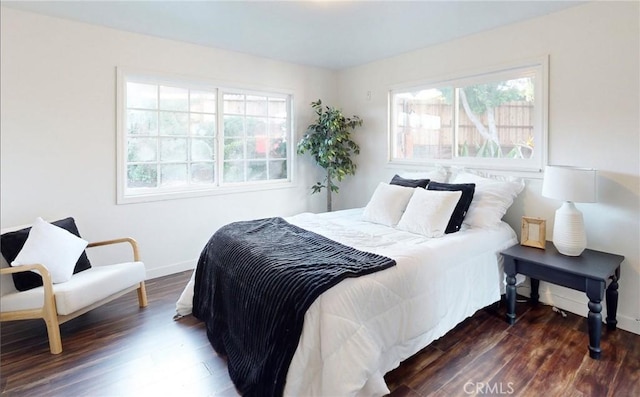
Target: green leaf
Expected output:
[328,141]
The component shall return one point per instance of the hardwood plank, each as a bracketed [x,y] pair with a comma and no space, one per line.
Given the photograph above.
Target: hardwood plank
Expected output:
[412,366]
[542,335]
[122,350]
[476,341]
[556,373]
[404,391]
[594,376]
[480,371]
[627,381]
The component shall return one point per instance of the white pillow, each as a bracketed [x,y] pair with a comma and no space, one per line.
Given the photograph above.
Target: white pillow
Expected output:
[491,200]
[54,248]
[429,211]
[387,204]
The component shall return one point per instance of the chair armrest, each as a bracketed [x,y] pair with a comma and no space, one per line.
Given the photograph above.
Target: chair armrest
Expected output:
[44,272]
[131,241]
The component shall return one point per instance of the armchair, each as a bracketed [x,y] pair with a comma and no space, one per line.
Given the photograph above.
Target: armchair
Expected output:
[61,302]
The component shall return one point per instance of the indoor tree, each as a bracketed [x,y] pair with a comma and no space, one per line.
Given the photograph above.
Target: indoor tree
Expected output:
[328,140]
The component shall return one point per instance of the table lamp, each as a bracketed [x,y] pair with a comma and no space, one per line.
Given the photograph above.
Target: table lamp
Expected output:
[570,184]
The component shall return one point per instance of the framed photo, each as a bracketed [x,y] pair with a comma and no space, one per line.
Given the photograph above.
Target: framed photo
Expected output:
[533,233]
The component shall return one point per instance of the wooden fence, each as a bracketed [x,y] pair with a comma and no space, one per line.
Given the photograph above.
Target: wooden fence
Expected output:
[426,129]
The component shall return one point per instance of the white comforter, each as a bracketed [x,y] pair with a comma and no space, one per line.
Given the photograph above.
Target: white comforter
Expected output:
[363,327]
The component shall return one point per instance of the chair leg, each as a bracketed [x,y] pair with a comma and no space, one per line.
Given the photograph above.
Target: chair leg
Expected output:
[142,295]
[55,342]
[50,318]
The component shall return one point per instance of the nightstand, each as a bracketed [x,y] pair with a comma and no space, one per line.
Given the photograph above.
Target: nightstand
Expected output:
[589,272]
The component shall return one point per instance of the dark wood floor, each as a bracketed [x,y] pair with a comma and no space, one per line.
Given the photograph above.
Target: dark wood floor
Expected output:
[121,350]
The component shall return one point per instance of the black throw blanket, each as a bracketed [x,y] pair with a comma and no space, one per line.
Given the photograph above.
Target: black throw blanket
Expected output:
[255,281]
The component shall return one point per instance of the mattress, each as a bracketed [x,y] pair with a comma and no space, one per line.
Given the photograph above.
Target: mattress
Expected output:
[364,327]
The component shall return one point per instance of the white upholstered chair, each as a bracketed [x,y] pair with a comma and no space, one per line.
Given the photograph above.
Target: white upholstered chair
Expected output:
[86,290]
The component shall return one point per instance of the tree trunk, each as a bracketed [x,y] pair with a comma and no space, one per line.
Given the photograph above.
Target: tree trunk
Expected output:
[488,134]
[493,131]
[328,191]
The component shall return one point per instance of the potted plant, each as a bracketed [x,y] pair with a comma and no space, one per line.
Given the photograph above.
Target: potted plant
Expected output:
[328,140]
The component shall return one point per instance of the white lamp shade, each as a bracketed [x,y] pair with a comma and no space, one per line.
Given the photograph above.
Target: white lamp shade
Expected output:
[570,184]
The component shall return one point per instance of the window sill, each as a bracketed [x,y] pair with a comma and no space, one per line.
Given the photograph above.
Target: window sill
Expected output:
[215,191]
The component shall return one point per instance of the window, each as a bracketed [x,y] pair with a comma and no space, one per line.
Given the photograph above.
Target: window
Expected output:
[180,138]
[492,120]
[255,137]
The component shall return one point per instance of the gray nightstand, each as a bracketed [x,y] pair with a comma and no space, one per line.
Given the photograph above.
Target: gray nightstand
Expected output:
[589,272]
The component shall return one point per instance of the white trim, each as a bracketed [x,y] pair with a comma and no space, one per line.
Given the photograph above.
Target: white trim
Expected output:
[217,191]
[474,73]
[549,294]
[171,269]
[121,173]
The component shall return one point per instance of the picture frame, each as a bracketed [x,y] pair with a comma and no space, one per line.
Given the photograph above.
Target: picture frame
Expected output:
[533,232]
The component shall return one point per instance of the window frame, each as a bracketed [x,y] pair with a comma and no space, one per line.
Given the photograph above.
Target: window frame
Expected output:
[538,66]
[127,195]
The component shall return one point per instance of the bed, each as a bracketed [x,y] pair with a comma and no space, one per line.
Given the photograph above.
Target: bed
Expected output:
[363,327]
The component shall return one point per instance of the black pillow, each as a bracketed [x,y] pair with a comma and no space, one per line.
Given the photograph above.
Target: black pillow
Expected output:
[462,207]
[400,181]
[11,243]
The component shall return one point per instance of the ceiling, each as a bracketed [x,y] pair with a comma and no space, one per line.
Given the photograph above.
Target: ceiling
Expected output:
[327,34]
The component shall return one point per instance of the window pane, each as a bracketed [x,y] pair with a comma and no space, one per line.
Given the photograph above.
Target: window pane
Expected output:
[202,101]
[173,175]
[277,127]
[233,126]
[172,123]
[142,175]
[423,124]
[256,126]
[233,149]
[277,107]
[496,119]
[173,98]
[257,148]
[142,96]
[233,104]
[142,122]
[142,149]
[256,105]
[173,149]
[233,171]
[278,169]
[203,173]
[257,170]
[278,149]
[202,149]
[203,124]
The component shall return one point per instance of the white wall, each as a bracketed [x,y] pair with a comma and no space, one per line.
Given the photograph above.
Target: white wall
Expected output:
[58,134]
[593,121]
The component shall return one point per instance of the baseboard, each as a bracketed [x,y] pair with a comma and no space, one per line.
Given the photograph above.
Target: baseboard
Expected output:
[550,296]
[171,269]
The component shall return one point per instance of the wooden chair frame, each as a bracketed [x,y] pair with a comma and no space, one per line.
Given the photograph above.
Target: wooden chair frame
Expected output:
[48,311]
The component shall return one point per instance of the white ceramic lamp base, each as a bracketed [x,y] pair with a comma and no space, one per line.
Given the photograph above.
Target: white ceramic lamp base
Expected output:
[569,236]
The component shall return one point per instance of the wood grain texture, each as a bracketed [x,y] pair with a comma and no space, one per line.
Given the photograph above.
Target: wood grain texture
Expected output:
[121,350]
